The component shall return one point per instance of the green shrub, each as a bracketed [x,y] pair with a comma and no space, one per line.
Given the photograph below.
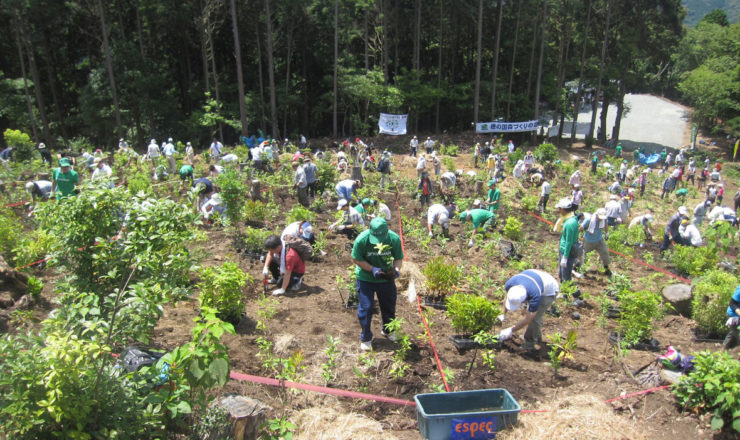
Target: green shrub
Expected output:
[33,247]
[449,164]
[299,213]
[471,314]
[639,309]
[10,233]
[619,240]
[689,260]
[713,385]
[712,293]
[441,277]
[223,289]
[450,150]
[513,229]
[139,182]
[21,143]
[254,211]
[545,153]
[326,176]
[233,190]
[253,239]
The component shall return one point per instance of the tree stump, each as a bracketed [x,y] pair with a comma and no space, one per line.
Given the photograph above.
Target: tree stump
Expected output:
[478,188]
[679,296]
[12,280]
[357,174]
[255,190]
[246,415]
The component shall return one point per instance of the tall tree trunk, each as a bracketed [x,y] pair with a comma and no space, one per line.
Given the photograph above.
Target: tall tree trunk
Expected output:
[513,58]
[562,61]
[271,71]
[204,44]
[140,34]
[259,73]
[417,35]
[539,68]
[622,90]
[579,91]
[497,47]
[535,29]
[384,41]
[336,67]
[604,46]
[288,58]
[31,116]
[366,39]
[36,79]
[476,96]
[602,116]
[109,68]
[439,64]
[239,77]
[212,56]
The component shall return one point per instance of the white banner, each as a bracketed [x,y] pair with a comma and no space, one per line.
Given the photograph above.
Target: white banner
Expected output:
[506,127]
[392,124]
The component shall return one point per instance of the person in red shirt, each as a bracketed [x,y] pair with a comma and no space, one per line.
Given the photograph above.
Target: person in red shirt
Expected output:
[425,189]
[295,267]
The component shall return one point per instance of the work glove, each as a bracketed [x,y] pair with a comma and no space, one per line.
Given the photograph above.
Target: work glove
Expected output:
[340,228]
[563,261]
[397,273]
[732,321]
[501,318]
[505,334]
[265,272]
[431,235]
[377,272]
[471,243]
[277,292]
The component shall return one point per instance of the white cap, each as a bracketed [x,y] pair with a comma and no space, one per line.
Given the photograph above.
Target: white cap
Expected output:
[648,217]
[683,211]
[29,186]
[613,197]
[153,141]
[169,140]
[515,297]
[476,202]
[601,213]
[565,203]
[307,232]
[42,145]
[342,202]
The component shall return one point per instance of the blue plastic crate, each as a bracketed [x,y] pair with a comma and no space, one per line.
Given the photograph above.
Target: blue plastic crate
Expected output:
[473,414]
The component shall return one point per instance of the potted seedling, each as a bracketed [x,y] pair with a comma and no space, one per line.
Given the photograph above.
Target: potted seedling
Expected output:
[470,315]
[441,278]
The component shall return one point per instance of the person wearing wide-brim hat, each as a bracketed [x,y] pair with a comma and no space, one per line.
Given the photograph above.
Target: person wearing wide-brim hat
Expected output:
[378,256]
[539,290]
[64,179]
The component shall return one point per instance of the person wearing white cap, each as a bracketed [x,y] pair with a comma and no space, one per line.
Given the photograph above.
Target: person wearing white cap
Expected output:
[700,211]
[102,172]
[690,234]
[642,181]
[378,256]
[414,146]
[214,205]
[122,146]
[421,163]
[539,290]
[440,214]
[613,210]
[429,145]
[671,233]
[594,227]
[168,149]
[350,222]
[645,221]
[215,149]
[40,189]
[568,238]
[576,197]
[346,189]
[436,163]
[575,178]
[45,154]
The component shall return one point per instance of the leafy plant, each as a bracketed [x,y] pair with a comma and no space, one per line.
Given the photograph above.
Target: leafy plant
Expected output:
[449,164]
[618,283]
[545,153]
[711,295]
[233,190]
[561,348]
[399,367]
[253,239]
[33,246]
[450,150]
[720,237]
[618,239]
[10,233]
[689,260]
[639,310]
[35,286]
[513,229]
[441,277]
[139,183]
[254,211]
[529,202]
[299,213]
[713,385]
[277,429]
[223,289]
[471,314]
[328,372]
[22,144]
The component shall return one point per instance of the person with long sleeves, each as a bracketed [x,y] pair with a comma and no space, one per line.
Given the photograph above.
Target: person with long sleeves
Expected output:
[568,238]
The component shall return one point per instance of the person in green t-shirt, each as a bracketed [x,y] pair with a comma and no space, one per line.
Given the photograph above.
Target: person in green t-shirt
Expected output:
[64,179]
[619,150]
[594,162]
[494,195]
[482,219]
[362,207]
[568,238]
[186,173]
[378,255]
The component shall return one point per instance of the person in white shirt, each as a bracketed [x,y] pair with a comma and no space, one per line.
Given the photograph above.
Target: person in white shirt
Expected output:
[414,146]
[420,165]
[215,149]
[351,223]
[700,211]
[643,220]
[447,181]
[575,178]
[300,183]
[122,146]
[528,161]
[383,211]
[189,153]
[545,190]
[231,157]
[214,205]
[152,152]
[168,150]
[689,233]
[39,188]
[429,145]
[439,214]
[576,196]
[613,210]
[215,170]
[102,172]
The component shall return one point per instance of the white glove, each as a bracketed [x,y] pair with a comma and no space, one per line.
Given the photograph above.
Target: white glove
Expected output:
[505,334]
[732,321]
[431,235]
[563,261]
[501,318]
[340,228]
[470,243]
[277,292]
[265,271]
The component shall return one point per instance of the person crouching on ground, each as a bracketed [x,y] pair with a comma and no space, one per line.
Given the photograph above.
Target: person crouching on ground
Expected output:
[351,221]
[378,255]
[483,220]
[671,233]
[440,214]
[537,288]
[733,320]
[594,228]
[295,267]
[214,205]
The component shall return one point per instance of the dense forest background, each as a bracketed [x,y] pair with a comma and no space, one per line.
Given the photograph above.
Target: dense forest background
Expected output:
[91,71]
[697,9]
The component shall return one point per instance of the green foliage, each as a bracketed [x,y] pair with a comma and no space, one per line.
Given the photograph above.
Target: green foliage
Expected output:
[35,286]
[10,233]
[561,348]
[689,260]
[23,146]
[223,289]
[513,229]
[139,182]
[277,429]
[33,246]
[449,149]
[326,176]
[639,310]
[618,283]
[441,277]
[328,368]
[470,314]
[711,296]
[299,213]
[399,367]
[619,240]
[254,211]
[720,236]
[449,164]
[216,423]
[545,153]
[233,190]
[529,202]
[253,239]
[713,385]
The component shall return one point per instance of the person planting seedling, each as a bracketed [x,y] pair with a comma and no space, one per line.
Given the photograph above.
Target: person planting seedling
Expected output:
[440,214]
[378,255]
[538,289]
[291,276]
[482,219]
[350,222]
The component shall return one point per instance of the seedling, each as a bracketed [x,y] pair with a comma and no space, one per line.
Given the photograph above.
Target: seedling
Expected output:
[441,277]
[561,348]
[328,372]
[399,367]
[471,314]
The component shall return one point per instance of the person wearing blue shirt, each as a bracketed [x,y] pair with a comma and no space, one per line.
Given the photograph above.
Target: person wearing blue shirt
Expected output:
[311,172]
[733,320]
[594,228]
[347,188]
[537,288]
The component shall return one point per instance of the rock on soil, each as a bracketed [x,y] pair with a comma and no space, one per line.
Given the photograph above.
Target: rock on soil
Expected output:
[679,296]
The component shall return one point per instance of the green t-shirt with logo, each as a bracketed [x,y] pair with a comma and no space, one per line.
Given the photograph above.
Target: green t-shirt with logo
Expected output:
[364,250]
[65,182]
[186,170]
[494,195]
[361,209]
[480,216]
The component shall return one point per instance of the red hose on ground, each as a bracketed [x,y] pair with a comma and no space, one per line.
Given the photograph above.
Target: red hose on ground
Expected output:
[634,260]
[10,205]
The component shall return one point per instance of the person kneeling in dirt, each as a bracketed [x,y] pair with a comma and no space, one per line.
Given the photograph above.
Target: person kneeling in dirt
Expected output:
[482,219]
[186,174]
[671,233]
[594,228]
[733,320]
[292,276]
[440,214]
[214,205]
[204,192]
[350,222]
[690,234]
[378,255]
[539,289]
[643,220]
